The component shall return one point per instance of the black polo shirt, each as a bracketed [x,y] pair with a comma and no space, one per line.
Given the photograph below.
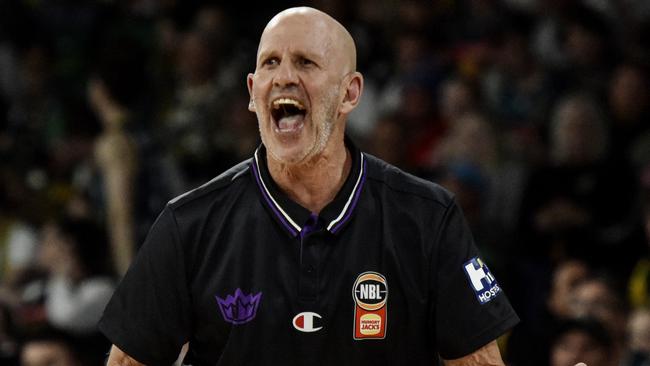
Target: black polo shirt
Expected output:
[386,274]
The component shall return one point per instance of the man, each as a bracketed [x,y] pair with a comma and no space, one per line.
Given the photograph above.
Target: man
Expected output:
[49,348]
[583,339]
[310,253]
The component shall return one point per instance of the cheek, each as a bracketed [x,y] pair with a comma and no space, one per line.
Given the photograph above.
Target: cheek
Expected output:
[327,104]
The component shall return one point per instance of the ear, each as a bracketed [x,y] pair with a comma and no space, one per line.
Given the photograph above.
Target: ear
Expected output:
[249,84]
[353,90]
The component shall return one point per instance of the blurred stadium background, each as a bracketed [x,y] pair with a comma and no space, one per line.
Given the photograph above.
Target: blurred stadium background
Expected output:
[533,112]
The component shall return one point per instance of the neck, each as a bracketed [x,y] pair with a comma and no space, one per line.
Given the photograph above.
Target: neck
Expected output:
[314,183]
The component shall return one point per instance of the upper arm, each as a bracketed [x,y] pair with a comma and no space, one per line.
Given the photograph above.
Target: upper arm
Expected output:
[487,355]
[467,309]
[149,315]
[117,357]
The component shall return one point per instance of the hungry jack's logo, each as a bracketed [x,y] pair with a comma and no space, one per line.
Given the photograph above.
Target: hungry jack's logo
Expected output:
[240,308]
[370,293]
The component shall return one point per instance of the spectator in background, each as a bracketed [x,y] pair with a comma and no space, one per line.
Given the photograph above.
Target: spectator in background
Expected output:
[469,139]
[35,117]
[530,344]
[457,98]
[194,127]
[411,91]
[18,244]
[22,206]
[117,159]
[582,340]
[578,133]
[568,206]
[600,298]
[386,140]
[587,44]
[638,335]
[122,166]
[467,159]
[241,125]
[211,21]
[39,152]
[469,185]
[67,289]
[515,88]
[50,348]
[629,106]
[458,121]
[368,24]
[74,253]
[546,36]
[566,277]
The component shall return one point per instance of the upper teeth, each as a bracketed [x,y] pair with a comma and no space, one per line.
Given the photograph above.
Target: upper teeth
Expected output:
[278,102]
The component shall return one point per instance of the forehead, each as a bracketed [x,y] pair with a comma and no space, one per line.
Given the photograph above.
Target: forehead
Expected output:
[296,34]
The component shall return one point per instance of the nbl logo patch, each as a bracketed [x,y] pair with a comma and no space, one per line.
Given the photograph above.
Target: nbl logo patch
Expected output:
[482,281]
[370,294]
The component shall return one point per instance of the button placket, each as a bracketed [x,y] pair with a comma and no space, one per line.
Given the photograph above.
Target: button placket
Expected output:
[308,280]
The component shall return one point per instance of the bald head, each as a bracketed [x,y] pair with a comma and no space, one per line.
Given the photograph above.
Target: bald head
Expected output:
[306,62]
[326,30]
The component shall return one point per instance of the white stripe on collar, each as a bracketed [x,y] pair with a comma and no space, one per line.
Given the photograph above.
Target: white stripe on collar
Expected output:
[286,216]
[347,204]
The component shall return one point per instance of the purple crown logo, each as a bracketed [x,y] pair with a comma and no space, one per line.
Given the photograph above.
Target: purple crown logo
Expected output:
[240,308]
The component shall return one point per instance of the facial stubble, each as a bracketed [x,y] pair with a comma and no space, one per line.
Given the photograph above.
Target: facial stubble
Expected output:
[322,119]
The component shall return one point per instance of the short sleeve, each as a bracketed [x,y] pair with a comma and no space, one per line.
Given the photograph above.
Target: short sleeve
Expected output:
[148,315]
[469,308]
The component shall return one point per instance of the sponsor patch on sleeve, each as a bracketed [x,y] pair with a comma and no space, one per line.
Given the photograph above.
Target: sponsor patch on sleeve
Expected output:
[481,280]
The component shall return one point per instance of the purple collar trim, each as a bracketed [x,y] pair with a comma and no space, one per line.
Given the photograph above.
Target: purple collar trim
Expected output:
[284,218]
[290,224]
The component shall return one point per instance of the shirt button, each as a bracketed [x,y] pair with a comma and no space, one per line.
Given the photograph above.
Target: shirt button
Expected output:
[309,269]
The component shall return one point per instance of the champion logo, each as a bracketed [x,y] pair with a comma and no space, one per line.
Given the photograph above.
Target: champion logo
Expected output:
[307,322]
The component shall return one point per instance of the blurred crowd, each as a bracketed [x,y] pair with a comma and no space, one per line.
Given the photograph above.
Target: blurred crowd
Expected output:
[531,111]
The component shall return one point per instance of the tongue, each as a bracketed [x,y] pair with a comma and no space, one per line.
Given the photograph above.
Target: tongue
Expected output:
[290,123]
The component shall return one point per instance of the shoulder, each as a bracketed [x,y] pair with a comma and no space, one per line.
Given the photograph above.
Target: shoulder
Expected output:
[219,187]
[404,185]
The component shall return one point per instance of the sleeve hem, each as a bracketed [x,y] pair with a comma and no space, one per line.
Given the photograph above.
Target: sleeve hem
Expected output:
[114,335]
[482,338]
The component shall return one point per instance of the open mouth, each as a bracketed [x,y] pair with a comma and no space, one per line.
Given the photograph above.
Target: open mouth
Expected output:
[288,114]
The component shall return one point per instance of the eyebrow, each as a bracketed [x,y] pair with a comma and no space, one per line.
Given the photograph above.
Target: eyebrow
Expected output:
[310,55]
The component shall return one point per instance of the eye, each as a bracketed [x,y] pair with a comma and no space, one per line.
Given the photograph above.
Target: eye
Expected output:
[271,61]
[303,61]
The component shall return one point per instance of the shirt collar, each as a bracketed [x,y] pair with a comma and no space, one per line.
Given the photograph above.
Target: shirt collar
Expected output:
[293,217]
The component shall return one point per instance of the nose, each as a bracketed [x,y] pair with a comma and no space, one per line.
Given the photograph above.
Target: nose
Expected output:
[285,74]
